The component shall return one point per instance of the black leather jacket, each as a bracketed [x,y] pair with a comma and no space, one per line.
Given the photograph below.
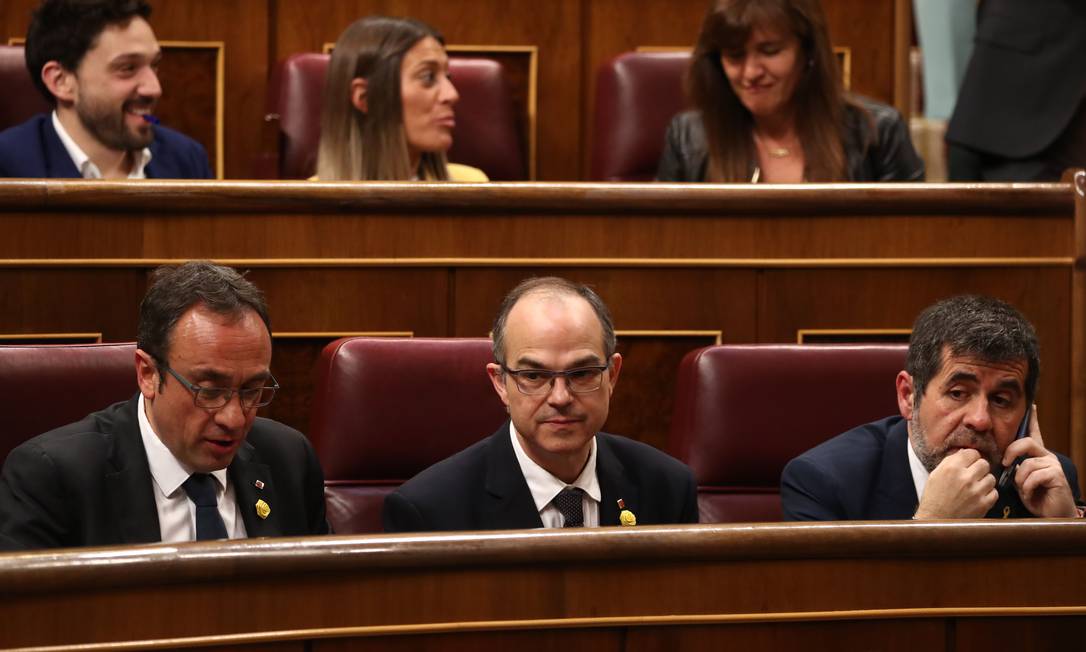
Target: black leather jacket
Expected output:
[889,155]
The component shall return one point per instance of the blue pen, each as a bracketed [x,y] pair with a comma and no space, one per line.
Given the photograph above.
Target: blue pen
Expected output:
[150,118]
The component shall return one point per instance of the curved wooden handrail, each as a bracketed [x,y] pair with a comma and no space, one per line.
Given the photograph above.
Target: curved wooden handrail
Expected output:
[100,568]
[550,198]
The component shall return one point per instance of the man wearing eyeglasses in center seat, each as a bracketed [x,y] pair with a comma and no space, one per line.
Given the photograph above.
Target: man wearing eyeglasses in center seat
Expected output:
[549,466]
[186,458]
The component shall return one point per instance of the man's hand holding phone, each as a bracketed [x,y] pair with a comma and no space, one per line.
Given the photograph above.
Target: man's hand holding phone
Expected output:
[1039,478]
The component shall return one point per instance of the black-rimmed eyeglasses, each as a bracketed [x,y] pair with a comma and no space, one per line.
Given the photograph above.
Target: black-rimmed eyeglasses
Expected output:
[581,380]
[213,398]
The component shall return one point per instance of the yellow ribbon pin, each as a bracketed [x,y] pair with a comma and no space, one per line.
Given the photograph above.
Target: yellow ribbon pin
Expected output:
[262,509]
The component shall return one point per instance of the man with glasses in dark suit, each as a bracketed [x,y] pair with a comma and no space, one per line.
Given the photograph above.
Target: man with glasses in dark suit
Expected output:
[549,466]
[186,458]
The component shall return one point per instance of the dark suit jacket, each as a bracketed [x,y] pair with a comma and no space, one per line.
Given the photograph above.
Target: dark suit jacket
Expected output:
[33,150]
[864,474]
[1025,78]
[89,484]
[482,488]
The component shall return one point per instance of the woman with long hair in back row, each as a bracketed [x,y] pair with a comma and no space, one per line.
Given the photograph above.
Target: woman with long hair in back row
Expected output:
[388,111]
[770,106]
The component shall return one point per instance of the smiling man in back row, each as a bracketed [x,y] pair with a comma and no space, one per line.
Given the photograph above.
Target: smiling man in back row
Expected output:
[96,62]
[549,466]
[970,374]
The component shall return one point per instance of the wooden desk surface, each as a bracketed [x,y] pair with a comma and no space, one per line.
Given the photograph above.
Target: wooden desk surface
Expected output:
[946,584]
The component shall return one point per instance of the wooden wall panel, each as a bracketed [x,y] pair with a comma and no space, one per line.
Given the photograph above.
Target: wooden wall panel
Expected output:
[540,640]
[882,635]
[243,26]
[71,301]
[553,26]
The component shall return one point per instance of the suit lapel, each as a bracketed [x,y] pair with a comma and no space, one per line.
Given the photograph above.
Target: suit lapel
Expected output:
[894,495]
[614,485]
[58,163]
[129,483]
[508,503]
[252,483]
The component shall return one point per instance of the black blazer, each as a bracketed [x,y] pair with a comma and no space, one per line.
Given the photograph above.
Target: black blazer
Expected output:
[1025,78]
[876,140]
[33,149]
[89,484]
[482,488]
[864,474]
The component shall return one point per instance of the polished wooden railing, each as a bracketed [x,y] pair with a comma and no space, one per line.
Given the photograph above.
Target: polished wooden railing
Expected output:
[907,585]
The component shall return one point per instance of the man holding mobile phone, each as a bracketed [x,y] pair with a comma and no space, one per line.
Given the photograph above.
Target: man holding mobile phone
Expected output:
[970,375]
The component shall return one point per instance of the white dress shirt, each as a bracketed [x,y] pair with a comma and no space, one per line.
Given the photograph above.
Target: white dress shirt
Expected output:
[176,513]
[920,474]
[89,170]
[545,487]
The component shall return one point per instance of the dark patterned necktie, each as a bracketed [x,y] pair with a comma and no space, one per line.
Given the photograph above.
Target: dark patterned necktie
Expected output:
[201,490]
[570,502]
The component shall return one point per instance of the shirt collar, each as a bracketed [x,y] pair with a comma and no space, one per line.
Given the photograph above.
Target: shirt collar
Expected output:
[86,168]
[919,473]
[166,470]
[543,485]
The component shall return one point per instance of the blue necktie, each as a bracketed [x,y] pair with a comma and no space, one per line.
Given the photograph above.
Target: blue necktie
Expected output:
[570,502]
[201,490]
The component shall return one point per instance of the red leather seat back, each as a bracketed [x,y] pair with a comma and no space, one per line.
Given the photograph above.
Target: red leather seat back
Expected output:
[43,387]
[386,408]
[486,134]
[637,94]
[742,412]
[22,100]
[297,92]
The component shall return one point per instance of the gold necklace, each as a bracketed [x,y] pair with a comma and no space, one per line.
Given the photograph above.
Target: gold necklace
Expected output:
[773,151]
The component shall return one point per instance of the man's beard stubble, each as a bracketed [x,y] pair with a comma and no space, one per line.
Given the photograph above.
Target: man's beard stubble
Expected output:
[107,124]
[960,438]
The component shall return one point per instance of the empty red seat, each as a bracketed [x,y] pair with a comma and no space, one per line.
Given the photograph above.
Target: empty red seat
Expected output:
[743,412]
[43,387]
[386,408]
[637,94]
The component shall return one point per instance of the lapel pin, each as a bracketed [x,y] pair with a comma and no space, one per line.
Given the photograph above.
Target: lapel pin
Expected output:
[625,517]
[262,509]
[259,484]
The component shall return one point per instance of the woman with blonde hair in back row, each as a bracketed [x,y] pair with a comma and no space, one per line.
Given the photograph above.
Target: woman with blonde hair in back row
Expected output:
[388,110]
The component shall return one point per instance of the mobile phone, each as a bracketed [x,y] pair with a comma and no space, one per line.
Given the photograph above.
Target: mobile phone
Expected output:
[1007,477]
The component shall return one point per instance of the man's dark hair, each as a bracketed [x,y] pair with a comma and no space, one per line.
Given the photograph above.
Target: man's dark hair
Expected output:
[64,30]
[174,290]
[553,285]
[971,325]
